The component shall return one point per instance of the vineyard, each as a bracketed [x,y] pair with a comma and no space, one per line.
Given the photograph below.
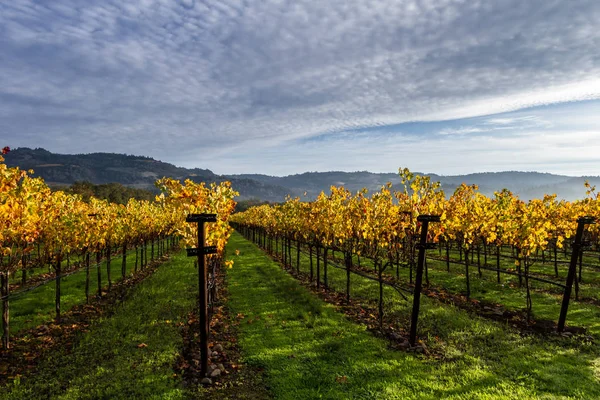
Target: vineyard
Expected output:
[43,229]
[474,260]
[500,257]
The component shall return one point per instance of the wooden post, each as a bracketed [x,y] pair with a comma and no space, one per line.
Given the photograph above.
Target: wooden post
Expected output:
[58,269]
[98,259]
[108,275]
[87,276]
[498,263]
[124,262]
[325,278]
[467,273]
[311,262]
[4,293]
[298,256]
[318,267]
[23,271]
[348,265]
[581,222]
[200,252]
[422,246]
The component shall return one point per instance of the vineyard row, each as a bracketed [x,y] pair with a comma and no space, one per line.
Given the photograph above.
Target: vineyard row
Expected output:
[43,227]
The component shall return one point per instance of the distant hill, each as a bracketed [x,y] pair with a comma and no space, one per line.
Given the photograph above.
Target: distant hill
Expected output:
[134,171]
[99,168]
[141,172]
[527,185]
[314,182]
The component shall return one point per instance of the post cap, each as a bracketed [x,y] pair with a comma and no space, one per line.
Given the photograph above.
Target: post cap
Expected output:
[588,219]
[194,252]
[201,218]
[428,218]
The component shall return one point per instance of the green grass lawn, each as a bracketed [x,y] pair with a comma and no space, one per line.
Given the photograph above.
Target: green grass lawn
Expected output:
[309,350]
[129,355]
[545,305]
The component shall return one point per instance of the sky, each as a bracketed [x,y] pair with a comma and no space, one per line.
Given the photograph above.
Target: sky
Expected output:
[287,86]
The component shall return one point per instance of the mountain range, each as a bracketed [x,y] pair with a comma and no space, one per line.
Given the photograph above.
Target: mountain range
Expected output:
[141,172]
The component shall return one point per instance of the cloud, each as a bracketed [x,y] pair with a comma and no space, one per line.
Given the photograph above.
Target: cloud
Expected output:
[191,81]
[500,123]
[535,139]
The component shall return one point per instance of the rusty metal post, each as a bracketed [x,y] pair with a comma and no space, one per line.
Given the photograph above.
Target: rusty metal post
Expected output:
[201,251]
[422,246]
[581,223]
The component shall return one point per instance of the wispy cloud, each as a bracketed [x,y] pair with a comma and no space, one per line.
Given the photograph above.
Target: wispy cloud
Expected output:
[501,123]
[194,82]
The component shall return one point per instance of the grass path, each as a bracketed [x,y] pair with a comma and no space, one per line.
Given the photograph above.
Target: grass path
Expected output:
[129,355]
[310,351]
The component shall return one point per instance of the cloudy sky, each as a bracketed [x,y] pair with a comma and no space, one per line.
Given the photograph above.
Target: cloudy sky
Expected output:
[287,86]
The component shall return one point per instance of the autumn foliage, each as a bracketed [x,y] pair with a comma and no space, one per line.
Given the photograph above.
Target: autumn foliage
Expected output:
[56,224]
[378,223]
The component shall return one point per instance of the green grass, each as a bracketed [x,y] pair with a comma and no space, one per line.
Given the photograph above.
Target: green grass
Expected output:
[16,277]
[587,288]
[307,348]
[36,306]
[31,272]
[545,305]
[107,363]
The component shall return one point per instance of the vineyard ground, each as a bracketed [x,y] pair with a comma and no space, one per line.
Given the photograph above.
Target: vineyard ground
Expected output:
[130,354]
[36,306]
[305,347]
[310,350]
[45,273]
[588,288]
[545,304]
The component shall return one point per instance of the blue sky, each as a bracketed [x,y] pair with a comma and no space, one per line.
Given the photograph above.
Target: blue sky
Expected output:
[287,86]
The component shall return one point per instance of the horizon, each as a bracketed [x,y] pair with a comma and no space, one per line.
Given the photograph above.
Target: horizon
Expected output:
[429,173]
[279,87]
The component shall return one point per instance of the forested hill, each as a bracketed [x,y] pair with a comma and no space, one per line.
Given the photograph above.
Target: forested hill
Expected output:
[99,167]
[141,172]
[133,171]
